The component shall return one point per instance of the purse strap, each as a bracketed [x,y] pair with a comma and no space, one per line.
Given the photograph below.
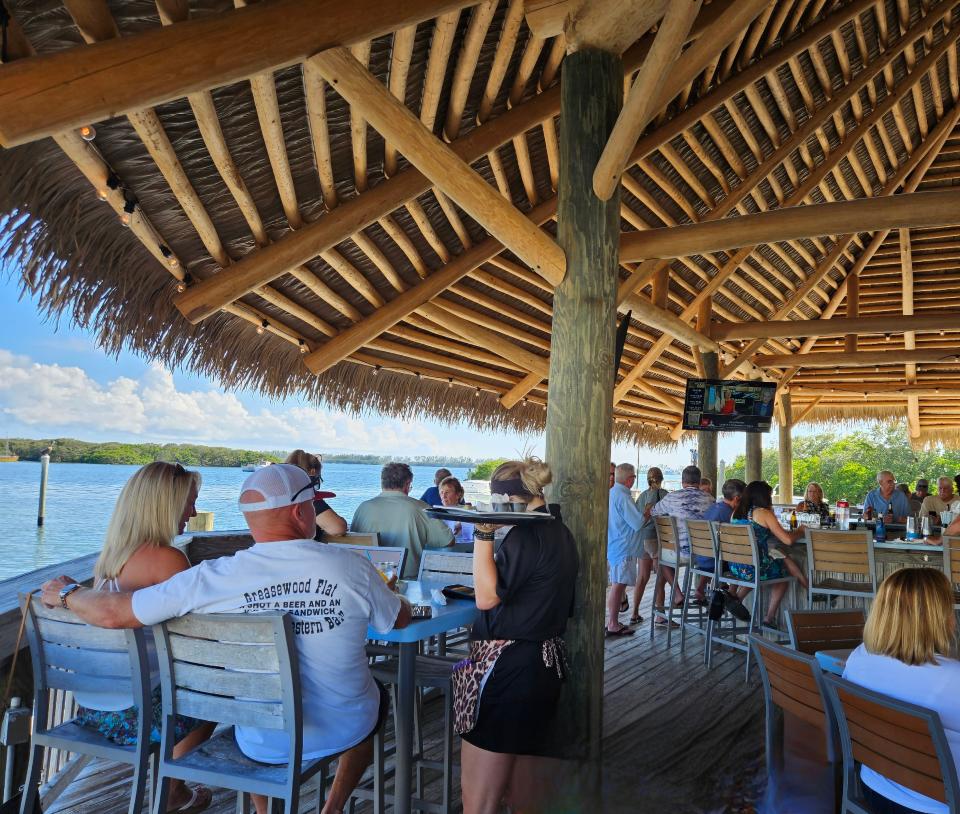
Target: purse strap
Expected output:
[16,651]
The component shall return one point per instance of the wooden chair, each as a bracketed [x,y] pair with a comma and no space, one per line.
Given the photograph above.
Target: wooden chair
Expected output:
[703,543]
[951,566]
[813,630]
[396,556]
[367,538]
[793,684]
[68,654]
[846,553]
[237,670]
[736,543]
[901,741]
[671,555]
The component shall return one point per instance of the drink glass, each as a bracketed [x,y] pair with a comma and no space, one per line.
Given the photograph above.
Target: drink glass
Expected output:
[388,570]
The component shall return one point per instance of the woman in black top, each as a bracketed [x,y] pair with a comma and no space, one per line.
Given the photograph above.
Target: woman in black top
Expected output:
[525,594]
[328,521]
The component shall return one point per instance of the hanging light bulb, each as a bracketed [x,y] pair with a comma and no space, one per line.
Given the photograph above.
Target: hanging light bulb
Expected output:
[102,194]
[376,370]
[88,132]
[303,346]
[477,394]
[181,286]
[419,375]
[450,383]
[173,262]
[129,207]
[262,327]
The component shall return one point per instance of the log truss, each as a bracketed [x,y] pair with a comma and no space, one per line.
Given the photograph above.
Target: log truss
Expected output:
[272,201]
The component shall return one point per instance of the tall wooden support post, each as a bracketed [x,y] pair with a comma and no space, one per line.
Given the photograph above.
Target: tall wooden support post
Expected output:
[785,450]
[754,450]
[853,310]
[707,441]
[580,395]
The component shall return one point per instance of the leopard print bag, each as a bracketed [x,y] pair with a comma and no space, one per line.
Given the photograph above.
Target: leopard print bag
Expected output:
[468,678]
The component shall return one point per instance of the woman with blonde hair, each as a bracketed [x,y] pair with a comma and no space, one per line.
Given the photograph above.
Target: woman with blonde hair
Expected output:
[509,688]
[153,508]
[328,521]
[813,502]
[909,633]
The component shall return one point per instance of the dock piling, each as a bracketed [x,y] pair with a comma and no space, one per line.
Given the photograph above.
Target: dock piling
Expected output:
[42,510]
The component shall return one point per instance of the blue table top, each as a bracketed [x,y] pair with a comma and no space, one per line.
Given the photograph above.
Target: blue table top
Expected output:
[832,661]
[456,613]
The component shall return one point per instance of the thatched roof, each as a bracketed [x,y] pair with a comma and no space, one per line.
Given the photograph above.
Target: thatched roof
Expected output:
[202,205]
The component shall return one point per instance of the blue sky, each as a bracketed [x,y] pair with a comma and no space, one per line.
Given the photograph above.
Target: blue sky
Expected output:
[54,381]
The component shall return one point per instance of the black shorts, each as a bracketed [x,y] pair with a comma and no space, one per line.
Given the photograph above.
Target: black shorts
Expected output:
[382,712]
[518,705]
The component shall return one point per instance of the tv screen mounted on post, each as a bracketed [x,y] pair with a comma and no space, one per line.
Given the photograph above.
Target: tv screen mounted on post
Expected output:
[729,405]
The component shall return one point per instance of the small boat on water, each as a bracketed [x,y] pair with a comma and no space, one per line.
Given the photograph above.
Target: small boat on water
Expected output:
[254,467]
[7,456]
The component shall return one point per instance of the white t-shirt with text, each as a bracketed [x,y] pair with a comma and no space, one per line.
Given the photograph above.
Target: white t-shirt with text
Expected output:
[934,686]
[332,594]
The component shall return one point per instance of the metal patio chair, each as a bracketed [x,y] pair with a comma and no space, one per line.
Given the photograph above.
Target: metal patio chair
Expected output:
[849,554]
[902,741]
[793,683]
[813,630]
[237,670]
[395,555]
[68,654]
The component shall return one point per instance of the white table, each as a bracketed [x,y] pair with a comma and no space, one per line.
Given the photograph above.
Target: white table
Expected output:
[455,614]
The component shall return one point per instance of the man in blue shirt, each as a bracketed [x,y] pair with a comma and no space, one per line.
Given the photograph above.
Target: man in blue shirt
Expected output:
[722,512]
[876,501]
[624,540]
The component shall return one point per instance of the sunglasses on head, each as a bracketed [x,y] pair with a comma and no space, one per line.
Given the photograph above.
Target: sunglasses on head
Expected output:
[295,495]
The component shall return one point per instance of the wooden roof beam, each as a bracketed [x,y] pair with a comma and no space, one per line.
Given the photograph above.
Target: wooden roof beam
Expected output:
[837,326]
[44,95]
[939,208]
[638,110]
[866,358]
[451,174]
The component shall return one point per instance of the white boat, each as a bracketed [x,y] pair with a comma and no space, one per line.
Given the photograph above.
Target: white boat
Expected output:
[255,467]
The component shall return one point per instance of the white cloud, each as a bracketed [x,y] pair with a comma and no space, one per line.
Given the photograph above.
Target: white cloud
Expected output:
[49,400]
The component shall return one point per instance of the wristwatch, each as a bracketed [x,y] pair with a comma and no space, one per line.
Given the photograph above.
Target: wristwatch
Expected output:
[65,591]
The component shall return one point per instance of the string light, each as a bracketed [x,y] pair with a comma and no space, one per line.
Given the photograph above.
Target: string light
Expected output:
[112,183]
[303,346]
[886,337]
[376,370]
[129,207]
[419,375]
[181,286]
[262,327]
[450,383]
[477,394]
[171,259]
[88,132]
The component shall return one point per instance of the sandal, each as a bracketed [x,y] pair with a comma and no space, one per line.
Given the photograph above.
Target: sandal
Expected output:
[200,799]
[636,619]
[663,623]
[736,607]
[623,631]
[624,605]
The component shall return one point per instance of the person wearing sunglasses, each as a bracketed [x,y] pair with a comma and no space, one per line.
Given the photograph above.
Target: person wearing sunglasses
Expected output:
[328,521]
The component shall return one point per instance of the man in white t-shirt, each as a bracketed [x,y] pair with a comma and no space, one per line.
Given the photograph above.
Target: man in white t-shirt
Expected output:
[331,593]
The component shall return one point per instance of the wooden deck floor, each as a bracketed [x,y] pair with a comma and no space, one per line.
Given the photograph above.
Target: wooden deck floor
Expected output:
[677,739]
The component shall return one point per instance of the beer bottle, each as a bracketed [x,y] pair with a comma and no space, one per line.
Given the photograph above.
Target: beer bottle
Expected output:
[793,520]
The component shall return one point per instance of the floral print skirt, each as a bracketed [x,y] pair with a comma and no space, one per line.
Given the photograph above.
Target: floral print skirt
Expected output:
[120,726]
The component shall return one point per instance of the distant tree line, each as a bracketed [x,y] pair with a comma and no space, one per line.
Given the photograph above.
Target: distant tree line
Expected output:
[70,450]
[846,466]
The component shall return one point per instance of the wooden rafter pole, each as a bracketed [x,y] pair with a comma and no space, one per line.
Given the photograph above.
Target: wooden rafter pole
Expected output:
[639,109]
[44,95]
[801,416]
[837,326]
[909,337]
[863,358]
[916,210]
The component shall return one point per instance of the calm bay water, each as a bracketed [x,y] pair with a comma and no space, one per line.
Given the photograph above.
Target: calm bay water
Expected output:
[81,497]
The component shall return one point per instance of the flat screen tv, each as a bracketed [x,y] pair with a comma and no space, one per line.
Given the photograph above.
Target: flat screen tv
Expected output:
[728,405]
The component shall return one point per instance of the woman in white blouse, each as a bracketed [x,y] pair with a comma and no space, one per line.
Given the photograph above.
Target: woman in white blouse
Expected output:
[909,632]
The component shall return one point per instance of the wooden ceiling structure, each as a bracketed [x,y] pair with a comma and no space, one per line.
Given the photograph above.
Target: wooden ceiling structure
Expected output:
[366,214]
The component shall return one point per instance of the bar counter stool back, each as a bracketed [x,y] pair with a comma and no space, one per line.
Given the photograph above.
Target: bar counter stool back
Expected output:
[902,741]
[703,543]
[72,656]
[846,553]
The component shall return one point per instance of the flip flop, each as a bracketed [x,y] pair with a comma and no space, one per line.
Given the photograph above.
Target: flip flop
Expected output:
[636,620]
[624,605]
[200,799]
[663,623]
[623,631]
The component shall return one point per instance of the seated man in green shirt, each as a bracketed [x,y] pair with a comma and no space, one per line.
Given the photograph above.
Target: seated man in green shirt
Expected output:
[399,519]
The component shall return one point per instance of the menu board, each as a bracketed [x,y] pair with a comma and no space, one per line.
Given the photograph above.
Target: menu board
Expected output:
[729,405]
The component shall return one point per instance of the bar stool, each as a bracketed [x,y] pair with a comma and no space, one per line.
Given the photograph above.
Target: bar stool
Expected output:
[703,543]
[671,555]
[846,553]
